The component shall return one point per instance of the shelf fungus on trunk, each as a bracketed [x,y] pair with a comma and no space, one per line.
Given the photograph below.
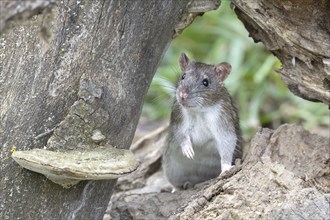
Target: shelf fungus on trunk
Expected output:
[69,167]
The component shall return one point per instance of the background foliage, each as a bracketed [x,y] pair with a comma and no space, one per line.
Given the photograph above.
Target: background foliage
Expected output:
[261,96]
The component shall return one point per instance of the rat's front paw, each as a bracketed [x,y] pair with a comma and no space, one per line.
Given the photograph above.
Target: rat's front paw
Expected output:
[225,167]
[187,149]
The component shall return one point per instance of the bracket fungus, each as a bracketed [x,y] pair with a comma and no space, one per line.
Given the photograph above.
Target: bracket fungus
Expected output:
[69,167]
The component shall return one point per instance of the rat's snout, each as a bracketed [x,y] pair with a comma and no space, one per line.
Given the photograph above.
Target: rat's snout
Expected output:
[183,95]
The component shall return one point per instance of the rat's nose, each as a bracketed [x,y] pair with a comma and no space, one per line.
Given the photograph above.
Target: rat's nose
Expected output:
[183,95]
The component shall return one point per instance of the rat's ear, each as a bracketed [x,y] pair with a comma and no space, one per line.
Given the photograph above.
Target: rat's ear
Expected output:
[223,70]
[183,60]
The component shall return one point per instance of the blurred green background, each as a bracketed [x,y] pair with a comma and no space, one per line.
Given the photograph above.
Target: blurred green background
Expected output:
[261,96]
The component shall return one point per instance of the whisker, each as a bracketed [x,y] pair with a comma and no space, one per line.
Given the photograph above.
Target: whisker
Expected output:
[199,102]
[163,98]
[160,77]
[164,83]
[167,87]
[176,71]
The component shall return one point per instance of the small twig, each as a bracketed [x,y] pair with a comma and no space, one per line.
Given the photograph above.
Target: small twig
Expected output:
[39,136]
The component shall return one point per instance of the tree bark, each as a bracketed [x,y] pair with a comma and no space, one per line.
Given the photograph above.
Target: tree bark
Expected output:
[101,58]
[21,10]
[298,33]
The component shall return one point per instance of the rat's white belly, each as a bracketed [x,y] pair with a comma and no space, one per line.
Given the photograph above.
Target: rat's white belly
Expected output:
[202,127]
[200,134]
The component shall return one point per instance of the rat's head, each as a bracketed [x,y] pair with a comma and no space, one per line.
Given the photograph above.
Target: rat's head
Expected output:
[200,84]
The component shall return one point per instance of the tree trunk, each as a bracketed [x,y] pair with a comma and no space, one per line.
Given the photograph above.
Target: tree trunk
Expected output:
[96,68]
[298,33]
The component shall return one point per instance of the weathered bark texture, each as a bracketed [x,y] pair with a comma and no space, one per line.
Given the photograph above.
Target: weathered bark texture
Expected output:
[91,76]
[21,10]
[285,175]
[298,33]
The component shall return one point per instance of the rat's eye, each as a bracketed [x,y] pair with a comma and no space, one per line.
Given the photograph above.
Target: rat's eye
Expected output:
[183,76]
[205,82]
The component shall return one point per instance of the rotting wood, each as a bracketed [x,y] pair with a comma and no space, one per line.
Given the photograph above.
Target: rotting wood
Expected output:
[298,33]
[285,175]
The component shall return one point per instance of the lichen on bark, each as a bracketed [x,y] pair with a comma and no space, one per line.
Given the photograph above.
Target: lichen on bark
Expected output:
[84,118]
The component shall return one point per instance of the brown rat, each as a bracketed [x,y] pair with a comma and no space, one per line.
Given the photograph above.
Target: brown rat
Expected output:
[204,137]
